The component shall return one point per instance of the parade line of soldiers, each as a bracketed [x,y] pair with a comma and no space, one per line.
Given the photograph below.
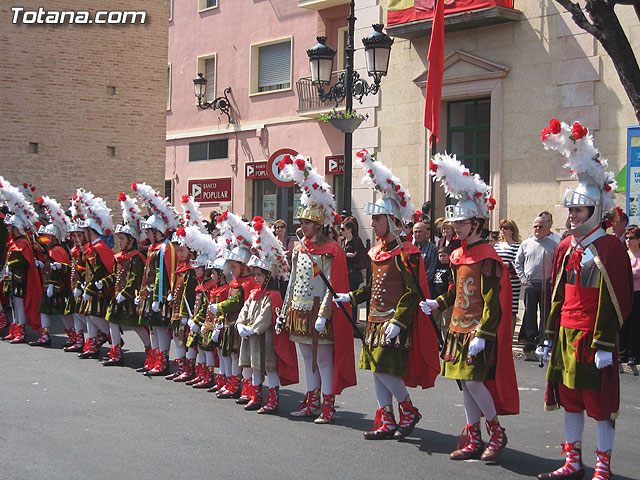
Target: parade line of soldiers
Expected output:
[217,299]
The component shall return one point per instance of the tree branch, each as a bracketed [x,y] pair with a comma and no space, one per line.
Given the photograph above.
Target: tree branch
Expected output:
[578,16]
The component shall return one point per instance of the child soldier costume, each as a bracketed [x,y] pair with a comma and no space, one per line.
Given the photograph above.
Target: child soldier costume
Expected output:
[154,310]
[239,289]
[592,296]
[55,284]
[401,345]
[261,350]
[99,258]
[323,332]
[477,348]
[21,279]
[125,280]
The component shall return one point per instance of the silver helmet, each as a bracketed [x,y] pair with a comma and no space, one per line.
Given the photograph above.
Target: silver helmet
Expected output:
[16,221]
[463,210]
[586,194]
[239,254]
[383,206]
[128,229]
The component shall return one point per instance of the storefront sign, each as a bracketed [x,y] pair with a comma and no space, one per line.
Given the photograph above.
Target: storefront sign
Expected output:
[256,170]
[274,172]
[633,175]
[210,190]
[334,165]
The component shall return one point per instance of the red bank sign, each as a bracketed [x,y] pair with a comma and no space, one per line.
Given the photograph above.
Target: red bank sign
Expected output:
[210,190]
[334,165]
[256,170]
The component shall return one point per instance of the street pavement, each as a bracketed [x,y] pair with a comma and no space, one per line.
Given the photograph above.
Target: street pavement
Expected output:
[65,418]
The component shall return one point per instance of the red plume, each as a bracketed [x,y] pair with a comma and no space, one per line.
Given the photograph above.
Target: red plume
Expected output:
[122,197]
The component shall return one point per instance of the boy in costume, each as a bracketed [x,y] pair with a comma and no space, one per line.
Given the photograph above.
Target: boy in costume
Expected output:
[477,348]
[592,296]
[323,333]
[401,344]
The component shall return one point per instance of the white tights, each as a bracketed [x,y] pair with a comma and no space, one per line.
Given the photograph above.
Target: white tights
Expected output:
[18,316]
[574,428]
[162,337]
[324,374]
[143,334]
[273,379]
[477,400]
[79,322]
[181,348]
[387,385]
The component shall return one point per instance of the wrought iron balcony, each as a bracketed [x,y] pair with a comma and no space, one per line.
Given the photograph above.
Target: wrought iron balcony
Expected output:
[308,98]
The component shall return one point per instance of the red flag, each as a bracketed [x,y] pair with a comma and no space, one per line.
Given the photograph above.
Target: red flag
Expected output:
[434,74]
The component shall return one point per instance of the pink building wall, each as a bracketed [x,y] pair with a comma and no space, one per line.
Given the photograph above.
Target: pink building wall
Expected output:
[266,122]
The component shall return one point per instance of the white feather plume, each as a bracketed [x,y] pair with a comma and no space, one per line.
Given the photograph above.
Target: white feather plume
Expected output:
[268,248]
[56,215]
[96,208]
[157,205]
[382,179]
[195,239]
[575,143]
[19,205]
[315,191]
[131,214]
[242,236]
[458,182]
[75,207]
[191,214]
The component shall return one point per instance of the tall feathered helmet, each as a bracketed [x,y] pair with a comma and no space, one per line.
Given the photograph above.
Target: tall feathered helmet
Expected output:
[396,200]
[131,217]
[76,213]
[191,214]
[96,212]
[23,216]
[596,185]
[163,216]
[240,248]
[473,195]
[28,191]
[317,202]
[267,250]
[200,242]
[59,223]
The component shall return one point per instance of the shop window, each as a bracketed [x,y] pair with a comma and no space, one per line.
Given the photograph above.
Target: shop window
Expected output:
[468,134]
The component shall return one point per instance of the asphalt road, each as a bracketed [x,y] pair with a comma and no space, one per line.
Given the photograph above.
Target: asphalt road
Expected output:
[65,418]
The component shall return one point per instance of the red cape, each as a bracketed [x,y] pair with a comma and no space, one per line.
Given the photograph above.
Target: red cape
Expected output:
[285,348]
[504,388]
[344,367]
[424,358]
[121,256]
[33,291]
[105,253]
[616,263]
[247,283]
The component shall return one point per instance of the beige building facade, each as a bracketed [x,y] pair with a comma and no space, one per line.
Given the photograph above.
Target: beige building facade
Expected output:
[531,65]
[83,96]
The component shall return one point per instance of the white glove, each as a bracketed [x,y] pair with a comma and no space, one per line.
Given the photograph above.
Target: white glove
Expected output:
[603,359]
[155,306]
[213,308]
[99,284]
[86,297]
[342,298]
[215,335]
[476,346]
[120,298]
[50,290]
[280,321]
[170,298]
[5,271]
[136,301]
[391,331]
[427,306]
[77,292]
[543,351]
[184,320]
[320,323]
[244,331]
[56,266]
[39,264]
[195,328]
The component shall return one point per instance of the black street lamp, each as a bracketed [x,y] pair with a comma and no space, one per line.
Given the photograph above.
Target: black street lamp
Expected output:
[220,103]
[377,47]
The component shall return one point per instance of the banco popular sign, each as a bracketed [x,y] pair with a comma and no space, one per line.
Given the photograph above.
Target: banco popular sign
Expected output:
[210,190]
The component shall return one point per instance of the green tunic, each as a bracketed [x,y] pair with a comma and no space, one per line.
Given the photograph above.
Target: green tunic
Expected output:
[124,313]
[56,304]
[379,355]
[457,363]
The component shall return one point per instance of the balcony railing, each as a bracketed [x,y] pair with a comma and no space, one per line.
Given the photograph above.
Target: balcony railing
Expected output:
[308,94]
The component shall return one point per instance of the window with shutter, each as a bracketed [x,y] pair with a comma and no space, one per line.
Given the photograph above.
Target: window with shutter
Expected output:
[205,4]
[210,75]
[274,66]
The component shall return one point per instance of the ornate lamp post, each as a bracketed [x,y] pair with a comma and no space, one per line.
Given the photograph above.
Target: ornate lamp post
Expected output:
[220,103]
[377,47]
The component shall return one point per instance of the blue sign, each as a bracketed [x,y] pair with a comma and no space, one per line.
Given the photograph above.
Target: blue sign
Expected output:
[633,174]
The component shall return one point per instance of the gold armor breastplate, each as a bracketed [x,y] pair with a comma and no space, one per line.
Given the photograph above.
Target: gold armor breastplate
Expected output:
[387,287]
[469,305]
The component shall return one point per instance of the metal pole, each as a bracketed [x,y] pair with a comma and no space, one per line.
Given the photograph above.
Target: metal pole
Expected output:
[348,90]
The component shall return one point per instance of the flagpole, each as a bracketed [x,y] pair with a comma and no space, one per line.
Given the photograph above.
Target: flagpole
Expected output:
[432,190]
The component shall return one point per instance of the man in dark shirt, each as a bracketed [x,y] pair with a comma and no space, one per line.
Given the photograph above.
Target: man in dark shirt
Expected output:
[428,251]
